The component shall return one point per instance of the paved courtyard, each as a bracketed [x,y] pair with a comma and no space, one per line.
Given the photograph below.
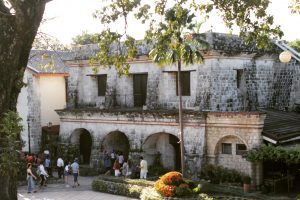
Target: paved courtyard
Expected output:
[59,191]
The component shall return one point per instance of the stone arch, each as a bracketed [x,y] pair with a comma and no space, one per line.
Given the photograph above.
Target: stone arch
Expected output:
[117,141]
[83,139]
[228,138]
[167,146]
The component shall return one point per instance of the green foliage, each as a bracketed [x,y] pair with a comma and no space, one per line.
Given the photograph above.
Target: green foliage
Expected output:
[10,143]
[246,180]
[117,188]
[272,153]
[218,174]
[86,38]
[251,17]
[156,169]
[175,37]
[295,6]
[296,45]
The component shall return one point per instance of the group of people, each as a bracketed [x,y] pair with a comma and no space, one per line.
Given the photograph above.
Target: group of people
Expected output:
[120,166]
[44,170]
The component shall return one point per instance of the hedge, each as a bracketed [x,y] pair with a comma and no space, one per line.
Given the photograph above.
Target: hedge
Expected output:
[140,189]
[117,188]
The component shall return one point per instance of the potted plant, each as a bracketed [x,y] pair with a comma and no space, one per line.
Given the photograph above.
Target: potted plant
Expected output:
[247,183]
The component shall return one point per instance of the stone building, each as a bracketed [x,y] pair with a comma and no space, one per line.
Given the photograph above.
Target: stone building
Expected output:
[44,92]
[137,114]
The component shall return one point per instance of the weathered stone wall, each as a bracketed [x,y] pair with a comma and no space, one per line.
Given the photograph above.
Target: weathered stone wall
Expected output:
[138,127]
[231,127]
[214,85]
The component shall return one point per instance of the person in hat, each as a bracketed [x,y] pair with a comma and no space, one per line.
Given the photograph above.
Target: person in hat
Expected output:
[75,171]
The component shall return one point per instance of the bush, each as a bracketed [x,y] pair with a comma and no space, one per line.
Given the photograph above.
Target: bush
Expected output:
[117,188]
[218,174]
[246,180]
[172,184]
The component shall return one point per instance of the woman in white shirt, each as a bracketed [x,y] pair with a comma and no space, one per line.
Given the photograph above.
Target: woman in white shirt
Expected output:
[43,174]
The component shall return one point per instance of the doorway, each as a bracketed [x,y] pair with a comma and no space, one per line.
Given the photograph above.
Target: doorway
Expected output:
[140,89]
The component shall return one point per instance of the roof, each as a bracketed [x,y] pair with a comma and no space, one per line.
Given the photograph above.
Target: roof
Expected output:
[227,44]
[48,62]
[281,126]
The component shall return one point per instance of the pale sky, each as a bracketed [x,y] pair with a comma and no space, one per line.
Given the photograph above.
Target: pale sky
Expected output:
[72,17]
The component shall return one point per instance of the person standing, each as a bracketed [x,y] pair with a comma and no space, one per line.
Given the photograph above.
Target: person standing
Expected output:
[144,168]
[121,158]
[67,172]
[30,177]
[126,169]
[106,162]
[60,167]
[75,171]
[47,165]
[117,168]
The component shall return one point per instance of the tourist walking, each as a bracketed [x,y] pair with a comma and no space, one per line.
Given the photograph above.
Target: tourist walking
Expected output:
[75,171]
[144,168]
[43,175]
[67,172]
[30,177]
[60,167]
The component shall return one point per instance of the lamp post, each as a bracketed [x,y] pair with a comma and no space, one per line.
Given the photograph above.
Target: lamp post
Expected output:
[28,124]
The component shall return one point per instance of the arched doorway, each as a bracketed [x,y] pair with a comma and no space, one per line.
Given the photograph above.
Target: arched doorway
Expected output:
[167,146]
[116,141]
[83,139]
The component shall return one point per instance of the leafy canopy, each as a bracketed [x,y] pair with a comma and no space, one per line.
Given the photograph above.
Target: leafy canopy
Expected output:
[296,45]
[272,153]
[172,28]
[10,129]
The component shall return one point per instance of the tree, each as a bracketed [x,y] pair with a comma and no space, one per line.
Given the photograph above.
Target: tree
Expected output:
[170,32]
[295,6]
[85,38]
[19,22]
[296,45]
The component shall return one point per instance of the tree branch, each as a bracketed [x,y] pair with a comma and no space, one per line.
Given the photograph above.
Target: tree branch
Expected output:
[4,10]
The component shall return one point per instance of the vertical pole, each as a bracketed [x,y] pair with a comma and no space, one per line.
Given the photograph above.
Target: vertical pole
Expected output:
[180,117]
[28,123]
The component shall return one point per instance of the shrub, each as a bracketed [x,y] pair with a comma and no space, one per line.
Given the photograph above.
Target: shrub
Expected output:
[117,188]
[172,184]
[150,194]
[218,174]
[246,180]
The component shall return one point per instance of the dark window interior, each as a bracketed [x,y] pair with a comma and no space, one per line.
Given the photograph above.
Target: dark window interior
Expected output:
[102,85]
[239,75]
[140,89]
[185,84]
[226,148]
[240,149]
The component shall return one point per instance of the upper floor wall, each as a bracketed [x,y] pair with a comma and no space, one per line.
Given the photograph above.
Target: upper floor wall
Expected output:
[221,83]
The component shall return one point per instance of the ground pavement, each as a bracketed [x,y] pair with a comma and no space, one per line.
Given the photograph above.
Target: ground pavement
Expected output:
[59,191]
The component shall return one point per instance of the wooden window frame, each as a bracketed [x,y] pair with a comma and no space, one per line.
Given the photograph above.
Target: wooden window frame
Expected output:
[101,86]
[224,151]
[186,85]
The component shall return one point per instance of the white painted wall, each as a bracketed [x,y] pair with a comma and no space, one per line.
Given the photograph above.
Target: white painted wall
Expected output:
[53,96]
[22,108]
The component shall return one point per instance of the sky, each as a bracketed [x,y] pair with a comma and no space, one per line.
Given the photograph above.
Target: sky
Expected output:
[71,17]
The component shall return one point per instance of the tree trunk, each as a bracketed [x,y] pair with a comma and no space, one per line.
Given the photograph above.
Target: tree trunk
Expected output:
[180,118]
[17,32]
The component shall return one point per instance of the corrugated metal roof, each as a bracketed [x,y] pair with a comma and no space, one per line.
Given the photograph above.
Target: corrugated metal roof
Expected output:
[281,126]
